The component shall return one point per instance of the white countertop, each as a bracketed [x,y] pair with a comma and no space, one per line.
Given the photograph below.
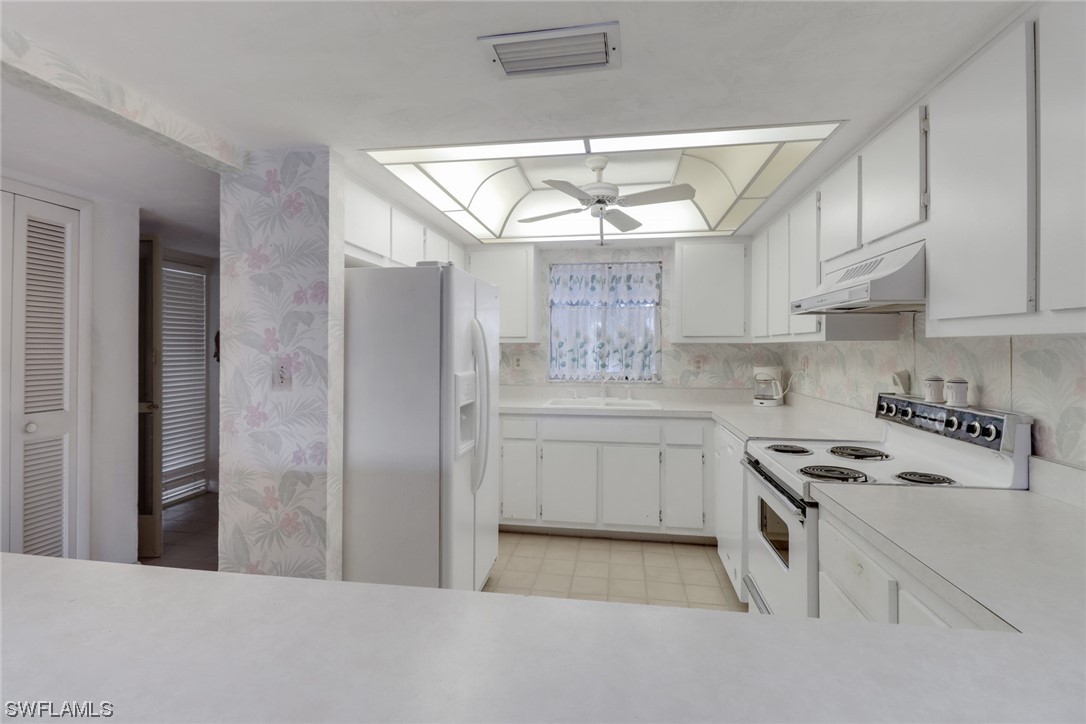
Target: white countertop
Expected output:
[174,645]
[1019,554]
[803,418]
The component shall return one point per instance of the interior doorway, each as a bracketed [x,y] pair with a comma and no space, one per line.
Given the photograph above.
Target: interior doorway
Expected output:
[178,500]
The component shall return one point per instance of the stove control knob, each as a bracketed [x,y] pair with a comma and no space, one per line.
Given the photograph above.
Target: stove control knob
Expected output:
[892,410]
[952,424]
[973,429]
[882,408]
[907,413]
[990,432]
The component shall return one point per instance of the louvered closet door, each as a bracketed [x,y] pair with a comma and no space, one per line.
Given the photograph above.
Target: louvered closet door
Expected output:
[184,380]
[43,394]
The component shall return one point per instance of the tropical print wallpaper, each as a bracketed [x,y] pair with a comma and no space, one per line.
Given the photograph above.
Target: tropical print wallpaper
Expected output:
[280,457]
[1042,376]
[30,64]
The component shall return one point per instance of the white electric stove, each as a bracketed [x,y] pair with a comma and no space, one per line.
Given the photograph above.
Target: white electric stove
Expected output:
[924,444]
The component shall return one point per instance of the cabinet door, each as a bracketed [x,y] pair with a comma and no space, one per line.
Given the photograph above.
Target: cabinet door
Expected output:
[833,604]
[519,480]
[508,270]
[777,285]
[437,247]
[568,490]
[911,612]
[839,220]
[981,246]
[1061,128]
[684,488]
[457,256]
[894,178]
[367,220]
[408,239]
[630,485]
[711,280]
[759,278]
[803,261]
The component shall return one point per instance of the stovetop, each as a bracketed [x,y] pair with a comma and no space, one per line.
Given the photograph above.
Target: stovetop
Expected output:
[917,449]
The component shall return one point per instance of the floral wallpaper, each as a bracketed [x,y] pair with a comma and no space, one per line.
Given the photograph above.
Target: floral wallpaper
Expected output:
[281,309]
[46,72]
[1041,376]
[682,365]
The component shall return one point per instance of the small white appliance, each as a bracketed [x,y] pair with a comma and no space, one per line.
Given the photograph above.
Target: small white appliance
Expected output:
[420,475]
[924,444]
[768,391]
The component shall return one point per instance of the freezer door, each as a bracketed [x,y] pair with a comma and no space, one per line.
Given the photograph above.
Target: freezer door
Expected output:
[487,506]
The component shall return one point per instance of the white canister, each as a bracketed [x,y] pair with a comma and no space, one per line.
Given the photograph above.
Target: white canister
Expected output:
[957,392]
[933,389]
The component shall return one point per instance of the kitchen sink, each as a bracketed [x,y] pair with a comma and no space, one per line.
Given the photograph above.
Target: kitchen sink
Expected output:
[605,402]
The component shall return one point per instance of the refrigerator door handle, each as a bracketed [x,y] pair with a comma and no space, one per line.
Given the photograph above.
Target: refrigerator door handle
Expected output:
[482,442]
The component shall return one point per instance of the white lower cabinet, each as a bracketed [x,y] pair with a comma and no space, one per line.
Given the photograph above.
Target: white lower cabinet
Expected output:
[630,485]
[606,473]
[518,476]
[857,582]
[684,488]
[568,483]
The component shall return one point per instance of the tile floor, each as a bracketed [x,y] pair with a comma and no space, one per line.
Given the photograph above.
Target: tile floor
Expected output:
[603,569]
[190,535]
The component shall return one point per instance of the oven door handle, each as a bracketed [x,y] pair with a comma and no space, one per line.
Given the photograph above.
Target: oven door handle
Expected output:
[798,511]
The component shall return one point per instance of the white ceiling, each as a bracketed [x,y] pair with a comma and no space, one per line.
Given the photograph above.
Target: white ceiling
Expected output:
[43,139]
[357,75]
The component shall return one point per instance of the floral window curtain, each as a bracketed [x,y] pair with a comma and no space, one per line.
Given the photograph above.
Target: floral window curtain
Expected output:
[605,321]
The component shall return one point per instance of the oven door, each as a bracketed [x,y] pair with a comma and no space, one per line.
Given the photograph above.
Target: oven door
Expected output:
[782,548]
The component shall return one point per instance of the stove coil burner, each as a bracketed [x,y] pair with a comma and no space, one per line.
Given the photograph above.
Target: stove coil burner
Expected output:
[834,474]
[853,452]
[924,478]
[789,450]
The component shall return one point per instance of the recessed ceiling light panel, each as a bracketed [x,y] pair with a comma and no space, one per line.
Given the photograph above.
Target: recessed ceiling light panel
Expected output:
[731,137]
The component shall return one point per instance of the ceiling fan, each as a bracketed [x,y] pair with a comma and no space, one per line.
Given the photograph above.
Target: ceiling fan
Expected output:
[601,198]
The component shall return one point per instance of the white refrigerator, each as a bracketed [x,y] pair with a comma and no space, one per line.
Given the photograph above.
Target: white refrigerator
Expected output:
[420,475]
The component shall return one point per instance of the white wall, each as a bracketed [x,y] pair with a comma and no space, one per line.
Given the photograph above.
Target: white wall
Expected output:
[114,316]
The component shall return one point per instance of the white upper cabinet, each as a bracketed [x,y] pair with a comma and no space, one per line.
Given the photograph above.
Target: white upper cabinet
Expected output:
[777,288]
[408,239]
[437,247]
[511,269]
[803,261]
[894,180]
[1061,99]
[839,221]
[711,291]
[368,220]
[759,285]
[981,243]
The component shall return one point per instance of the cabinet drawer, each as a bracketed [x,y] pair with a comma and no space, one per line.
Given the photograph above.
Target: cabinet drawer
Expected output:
[868,585]
[518,429]
[683,434]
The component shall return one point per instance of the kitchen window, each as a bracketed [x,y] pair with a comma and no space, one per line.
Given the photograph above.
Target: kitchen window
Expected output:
[605,321]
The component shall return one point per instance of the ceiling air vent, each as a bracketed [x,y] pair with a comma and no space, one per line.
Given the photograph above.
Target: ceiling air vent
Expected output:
[561,50]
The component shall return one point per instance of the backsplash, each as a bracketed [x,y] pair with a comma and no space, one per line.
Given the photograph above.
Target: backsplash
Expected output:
[1042,376]
[682,365]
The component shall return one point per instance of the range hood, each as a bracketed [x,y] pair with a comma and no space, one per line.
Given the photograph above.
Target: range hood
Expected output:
[885,284]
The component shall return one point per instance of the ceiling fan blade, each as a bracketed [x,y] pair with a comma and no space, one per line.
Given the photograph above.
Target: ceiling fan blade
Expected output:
[621,220]
[678,192]
[567,188]
[530,219]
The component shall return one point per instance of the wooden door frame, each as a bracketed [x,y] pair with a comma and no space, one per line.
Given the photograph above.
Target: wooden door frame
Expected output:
[79,543]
